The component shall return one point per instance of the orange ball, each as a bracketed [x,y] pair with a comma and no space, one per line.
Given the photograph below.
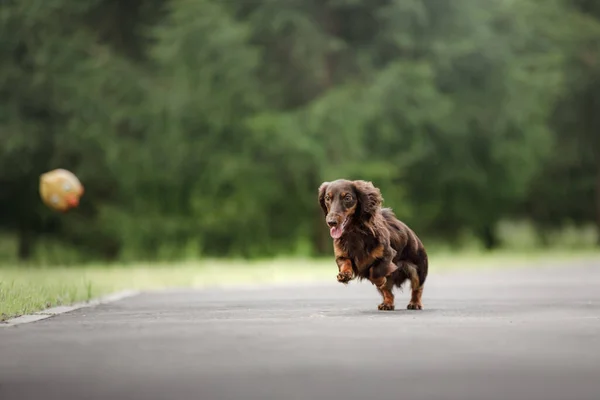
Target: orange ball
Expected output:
[60,190]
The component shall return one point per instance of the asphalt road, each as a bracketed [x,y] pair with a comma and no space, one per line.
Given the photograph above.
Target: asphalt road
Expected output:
[513,334]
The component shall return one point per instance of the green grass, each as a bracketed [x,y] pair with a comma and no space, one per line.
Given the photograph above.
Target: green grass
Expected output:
[29,289]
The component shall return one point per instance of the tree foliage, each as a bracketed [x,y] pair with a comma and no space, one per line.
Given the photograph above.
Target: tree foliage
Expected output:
[205,127]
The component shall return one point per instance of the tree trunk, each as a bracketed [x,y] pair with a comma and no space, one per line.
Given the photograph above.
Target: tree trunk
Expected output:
[489,237]
[597,200]
[25,246]
[322,244]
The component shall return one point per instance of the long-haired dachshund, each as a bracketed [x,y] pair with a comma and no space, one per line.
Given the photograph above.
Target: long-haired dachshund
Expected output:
[370,242]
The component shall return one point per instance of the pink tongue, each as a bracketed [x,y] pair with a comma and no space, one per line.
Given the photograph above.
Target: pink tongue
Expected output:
[335,232]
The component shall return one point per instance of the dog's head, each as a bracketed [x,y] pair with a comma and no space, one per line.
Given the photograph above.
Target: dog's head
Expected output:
[345,202]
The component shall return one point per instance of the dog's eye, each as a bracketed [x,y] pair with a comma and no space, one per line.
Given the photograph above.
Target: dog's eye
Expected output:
[348,198]
[327,198]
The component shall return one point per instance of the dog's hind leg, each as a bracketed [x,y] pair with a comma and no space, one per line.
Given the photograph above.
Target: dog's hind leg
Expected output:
[416,288]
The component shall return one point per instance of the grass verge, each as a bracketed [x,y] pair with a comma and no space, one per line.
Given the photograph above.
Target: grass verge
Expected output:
[26,290]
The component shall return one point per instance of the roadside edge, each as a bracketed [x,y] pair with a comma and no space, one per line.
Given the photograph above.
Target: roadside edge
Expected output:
[51,312]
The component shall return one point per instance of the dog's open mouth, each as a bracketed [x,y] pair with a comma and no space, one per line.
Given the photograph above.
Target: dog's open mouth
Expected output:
[337,231]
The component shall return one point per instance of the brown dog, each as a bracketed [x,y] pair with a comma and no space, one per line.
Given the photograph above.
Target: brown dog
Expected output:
[370,242]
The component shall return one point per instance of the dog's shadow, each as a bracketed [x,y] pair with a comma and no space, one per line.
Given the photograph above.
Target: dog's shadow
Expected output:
[403,311]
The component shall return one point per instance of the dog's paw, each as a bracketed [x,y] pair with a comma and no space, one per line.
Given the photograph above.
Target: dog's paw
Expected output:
[385,307]
[344,277]
[414,306]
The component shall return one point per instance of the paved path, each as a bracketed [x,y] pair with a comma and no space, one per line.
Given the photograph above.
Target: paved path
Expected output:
[523,335]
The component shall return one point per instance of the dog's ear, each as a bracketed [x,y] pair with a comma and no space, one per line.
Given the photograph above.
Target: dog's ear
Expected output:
[369,198]
[322,191]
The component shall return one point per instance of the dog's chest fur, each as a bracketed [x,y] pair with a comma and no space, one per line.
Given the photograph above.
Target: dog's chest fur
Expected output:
[361,249]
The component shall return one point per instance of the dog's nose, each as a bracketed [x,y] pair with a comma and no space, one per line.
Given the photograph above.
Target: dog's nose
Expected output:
[332,223]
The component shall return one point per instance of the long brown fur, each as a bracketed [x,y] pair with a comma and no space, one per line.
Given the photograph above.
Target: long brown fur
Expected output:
[374,245]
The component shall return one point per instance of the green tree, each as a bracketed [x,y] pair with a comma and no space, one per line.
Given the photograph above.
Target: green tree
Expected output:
[567,189]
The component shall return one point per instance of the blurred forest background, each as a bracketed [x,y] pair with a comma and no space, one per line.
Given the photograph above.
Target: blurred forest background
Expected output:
[203,128]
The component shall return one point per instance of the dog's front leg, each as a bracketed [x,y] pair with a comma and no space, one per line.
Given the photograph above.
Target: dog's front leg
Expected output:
[346,274]
[384,286]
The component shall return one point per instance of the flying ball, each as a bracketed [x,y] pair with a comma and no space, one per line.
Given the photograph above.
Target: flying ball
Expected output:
[60,190]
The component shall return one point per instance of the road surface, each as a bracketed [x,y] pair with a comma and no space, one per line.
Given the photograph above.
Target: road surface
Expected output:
[514,334]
